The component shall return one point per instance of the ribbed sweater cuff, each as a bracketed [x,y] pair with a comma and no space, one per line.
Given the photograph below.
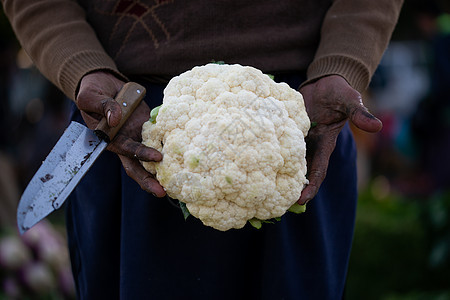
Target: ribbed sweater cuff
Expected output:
[80,64]
[356,74]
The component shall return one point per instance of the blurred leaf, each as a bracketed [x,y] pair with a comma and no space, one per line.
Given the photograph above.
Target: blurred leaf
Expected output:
[444,23]
[439,253]
[389,253]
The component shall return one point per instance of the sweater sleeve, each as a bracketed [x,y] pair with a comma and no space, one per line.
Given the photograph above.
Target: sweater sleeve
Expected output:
[57,37]
[354,36]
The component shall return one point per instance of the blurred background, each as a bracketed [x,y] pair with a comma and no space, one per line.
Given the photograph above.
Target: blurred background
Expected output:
[402,240]
[33,114]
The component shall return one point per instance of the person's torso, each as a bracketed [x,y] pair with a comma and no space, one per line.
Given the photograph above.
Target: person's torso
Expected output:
[167,37]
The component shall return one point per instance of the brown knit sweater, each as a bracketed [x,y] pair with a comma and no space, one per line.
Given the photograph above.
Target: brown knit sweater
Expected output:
[68,39]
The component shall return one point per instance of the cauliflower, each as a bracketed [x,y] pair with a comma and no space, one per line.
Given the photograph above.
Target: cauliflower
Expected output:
[233,144]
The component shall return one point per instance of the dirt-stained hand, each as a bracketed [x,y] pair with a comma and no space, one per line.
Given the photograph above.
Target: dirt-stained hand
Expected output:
[330,102]
[95,100]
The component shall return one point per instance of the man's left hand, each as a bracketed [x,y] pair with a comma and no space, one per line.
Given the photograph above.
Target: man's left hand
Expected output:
[330,102]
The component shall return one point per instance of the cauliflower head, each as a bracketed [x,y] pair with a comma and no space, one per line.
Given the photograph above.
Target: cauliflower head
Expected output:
[233,144]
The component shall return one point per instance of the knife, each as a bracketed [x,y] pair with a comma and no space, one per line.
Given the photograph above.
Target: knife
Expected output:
[69,160]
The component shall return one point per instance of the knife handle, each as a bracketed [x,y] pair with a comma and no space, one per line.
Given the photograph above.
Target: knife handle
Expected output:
[128,98]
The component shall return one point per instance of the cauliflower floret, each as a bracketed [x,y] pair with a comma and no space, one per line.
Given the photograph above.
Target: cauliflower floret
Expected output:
[233,144]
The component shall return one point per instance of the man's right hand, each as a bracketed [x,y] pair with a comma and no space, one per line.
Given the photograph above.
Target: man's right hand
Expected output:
[95,100]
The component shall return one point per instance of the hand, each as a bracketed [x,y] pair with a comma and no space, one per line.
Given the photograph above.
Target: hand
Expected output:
[95,101]
[330,102]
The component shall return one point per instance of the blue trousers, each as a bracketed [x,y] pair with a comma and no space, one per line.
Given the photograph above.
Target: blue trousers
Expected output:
[126,244]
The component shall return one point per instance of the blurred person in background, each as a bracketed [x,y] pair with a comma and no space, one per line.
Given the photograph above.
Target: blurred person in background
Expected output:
[126,243]
[431,120]
[8,184]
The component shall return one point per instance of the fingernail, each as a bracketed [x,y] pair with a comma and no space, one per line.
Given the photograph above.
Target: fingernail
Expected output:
[368,115]
[108,116]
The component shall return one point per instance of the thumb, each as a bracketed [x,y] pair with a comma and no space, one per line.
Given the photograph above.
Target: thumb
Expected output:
[363,119]
[95,97]
[107,107]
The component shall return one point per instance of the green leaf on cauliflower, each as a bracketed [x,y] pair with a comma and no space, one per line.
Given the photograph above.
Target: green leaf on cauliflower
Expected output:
[154,114]
[271,76]
[255,223]
[297,208]
[184,209]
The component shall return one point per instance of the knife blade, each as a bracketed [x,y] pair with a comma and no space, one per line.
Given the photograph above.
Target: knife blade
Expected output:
[69,160]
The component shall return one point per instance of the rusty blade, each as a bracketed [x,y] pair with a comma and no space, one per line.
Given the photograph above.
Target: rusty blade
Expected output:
[70,159]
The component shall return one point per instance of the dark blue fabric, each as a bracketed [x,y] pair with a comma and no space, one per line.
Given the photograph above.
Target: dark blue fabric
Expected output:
[127,244]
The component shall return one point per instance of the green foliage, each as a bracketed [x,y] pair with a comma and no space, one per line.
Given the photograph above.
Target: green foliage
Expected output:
[420,295]
[444,23]
[436,217]
[401,248]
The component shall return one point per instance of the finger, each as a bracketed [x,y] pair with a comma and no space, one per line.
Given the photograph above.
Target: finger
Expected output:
[91,120]
[107,107]
[318,158]
[145,180]
[363,119]
[315,176]
[126,146]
